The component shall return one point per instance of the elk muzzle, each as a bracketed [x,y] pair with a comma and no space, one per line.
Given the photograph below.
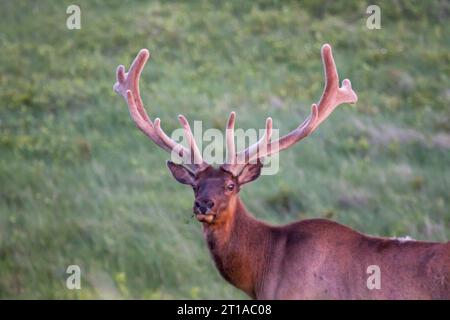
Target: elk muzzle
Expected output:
[203,210]
[203,206]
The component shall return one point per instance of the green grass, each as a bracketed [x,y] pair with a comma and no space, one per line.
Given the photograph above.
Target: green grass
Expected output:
[79,184]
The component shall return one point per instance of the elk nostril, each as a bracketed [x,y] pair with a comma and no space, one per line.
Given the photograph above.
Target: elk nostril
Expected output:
[197,204]
[209,204]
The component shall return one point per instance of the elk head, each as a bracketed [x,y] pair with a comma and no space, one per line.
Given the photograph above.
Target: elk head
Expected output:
[216,189]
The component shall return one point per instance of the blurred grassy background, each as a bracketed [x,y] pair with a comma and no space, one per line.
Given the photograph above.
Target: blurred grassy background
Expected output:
[79,184]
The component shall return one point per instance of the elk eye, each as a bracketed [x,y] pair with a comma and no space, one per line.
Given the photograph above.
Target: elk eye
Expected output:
[230,187]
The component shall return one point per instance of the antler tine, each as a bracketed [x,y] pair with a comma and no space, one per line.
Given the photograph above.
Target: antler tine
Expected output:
[127,85]
[179,150]
[333,95]
[196,155]
[257,150]
[230,148]
[235,163]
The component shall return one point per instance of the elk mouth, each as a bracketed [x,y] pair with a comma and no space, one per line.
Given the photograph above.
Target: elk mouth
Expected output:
[207,217]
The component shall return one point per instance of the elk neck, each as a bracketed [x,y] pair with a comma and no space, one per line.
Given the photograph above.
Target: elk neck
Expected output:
[239,245]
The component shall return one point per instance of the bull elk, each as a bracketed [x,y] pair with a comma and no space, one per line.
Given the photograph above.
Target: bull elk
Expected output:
[308,259]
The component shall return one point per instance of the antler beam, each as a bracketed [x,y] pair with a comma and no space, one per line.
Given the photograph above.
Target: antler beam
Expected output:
[127,86]
[332,96]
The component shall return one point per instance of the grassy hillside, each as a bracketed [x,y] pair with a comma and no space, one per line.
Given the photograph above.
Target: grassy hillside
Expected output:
[79,184]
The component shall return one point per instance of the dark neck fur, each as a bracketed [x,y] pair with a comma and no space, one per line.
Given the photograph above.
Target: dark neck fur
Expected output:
[239,244]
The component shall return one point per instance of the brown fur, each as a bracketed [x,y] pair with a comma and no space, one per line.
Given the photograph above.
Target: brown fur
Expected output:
[321,259]
[311,259]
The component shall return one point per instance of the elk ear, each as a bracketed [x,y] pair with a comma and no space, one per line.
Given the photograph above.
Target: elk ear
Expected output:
[180,173]
[250,172]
